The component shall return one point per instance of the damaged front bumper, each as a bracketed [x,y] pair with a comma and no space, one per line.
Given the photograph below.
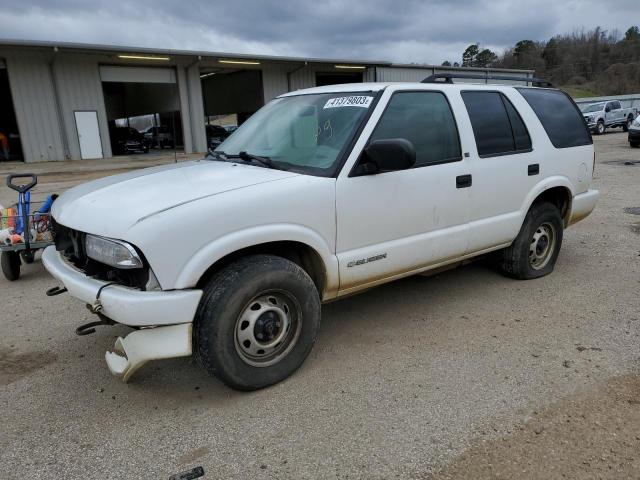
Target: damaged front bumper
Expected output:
[163,318]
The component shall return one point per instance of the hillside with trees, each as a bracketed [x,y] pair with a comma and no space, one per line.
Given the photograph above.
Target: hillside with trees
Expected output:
[586,63]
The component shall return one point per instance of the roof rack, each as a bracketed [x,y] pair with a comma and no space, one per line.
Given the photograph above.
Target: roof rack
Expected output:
[448,78]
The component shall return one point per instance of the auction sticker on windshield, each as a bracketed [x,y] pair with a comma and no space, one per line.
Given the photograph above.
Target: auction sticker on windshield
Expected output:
[352,101]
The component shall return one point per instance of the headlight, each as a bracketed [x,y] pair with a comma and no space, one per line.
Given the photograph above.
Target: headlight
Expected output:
[112,252]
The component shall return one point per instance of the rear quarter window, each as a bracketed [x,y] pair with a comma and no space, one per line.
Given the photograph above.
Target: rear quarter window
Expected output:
[560,117]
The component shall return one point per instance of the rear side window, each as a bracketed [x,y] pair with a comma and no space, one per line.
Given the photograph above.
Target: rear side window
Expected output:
[559,116]
[497,126]
[426,120]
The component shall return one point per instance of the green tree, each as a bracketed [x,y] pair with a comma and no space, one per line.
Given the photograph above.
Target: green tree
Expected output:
[485,58]
[469,55]
[446,63]
[633,34]
[522,48]
[550,54]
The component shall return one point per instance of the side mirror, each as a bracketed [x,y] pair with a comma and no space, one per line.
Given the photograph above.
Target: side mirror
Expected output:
[607,109]
[387,155]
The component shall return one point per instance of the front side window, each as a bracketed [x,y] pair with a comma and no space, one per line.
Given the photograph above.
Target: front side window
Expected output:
[303,133]
[559,116]
[426,120]
[497,126]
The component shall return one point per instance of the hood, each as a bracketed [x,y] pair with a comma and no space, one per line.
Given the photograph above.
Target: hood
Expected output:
[111,205]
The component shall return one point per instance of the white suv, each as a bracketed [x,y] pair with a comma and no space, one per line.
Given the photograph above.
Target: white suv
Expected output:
[322,193]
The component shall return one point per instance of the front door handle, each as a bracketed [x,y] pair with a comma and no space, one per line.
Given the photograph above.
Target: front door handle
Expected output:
[463,181]
[533,169]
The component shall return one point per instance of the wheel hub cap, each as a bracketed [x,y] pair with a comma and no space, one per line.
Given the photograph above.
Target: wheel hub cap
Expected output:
[542,246]
[267,329]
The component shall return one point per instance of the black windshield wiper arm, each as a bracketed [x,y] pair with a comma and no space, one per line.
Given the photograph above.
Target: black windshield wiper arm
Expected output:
[216,155]
[248,157]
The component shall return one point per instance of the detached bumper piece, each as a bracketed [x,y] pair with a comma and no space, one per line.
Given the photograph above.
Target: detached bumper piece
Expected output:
[133,351]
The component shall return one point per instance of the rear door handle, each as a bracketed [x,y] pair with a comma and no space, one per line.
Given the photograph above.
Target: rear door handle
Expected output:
[463,181]
[533,169]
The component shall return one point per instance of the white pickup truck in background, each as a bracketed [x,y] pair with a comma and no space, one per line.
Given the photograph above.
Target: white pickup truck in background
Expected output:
[602,115]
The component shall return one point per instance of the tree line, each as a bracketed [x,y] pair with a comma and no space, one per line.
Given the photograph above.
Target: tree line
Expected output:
[595,61]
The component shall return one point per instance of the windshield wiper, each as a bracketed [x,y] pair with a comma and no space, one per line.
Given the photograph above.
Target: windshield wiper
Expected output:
[216,155]
[248,157]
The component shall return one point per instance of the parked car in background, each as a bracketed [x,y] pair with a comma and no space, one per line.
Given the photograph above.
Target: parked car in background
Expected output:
[127,140]
[158,137]
[324,192]
[634,133]
[216,135]
[602,115]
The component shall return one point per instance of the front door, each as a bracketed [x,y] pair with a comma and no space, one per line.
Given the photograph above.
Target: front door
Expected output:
[393,223]
[88,134]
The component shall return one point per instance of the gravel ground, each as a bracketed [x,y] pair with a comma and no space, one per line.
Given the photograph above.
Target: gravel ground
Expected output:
[422,378]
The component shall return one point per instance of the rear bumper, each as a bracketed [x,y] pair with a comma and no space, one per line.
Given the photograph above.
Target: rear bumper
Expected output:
[121,304]
[582,205]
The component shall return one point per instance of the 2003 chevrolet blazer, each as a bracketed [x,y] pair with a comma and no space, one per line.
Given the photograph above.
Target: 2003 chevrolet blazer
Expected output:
[322,193]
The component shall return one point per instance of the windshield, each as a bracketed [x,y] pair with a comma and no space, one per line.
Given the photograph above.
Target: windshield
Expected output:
[304,133]
[593,108]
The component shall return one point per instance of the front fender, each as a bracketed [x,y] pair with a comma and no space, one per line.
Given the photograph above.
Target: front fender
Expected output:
[232,242]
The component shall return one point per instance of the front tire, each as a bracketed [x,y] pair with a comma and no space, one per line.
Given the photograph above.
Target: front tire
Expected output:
[10,265]
[257,322]
[600,128]
[634,144]
[535,250]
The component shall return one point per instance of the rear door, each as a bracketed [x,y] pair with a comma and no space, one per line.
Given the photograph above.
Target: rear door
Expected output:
[392,223]
[503,164]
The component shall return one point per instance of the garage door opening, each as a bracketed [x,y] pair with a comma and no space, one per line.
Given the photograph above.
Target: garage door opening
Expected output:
[143,110]
[10,146]
[336,78]
[229,97]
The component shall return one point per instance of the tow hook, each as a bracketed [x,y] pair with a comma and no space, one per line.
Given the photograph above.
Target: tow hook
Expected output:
[88,328]
[53,291]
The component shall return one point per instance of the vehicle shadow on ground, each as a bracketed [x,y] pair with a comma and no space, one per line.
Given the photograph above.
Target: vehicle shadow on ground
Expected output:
[390,309]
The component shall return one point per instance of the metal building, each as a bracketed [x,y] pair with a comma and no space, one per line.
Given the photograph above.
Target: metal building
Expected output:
[61,101]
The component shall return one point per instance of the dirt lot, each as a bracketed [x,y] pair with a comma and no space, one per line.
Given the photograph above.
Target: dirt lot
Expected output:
[463,375]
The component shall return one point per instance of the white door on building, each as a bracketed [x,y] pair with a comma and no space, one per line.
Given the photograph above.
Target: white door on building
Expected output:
[89,134]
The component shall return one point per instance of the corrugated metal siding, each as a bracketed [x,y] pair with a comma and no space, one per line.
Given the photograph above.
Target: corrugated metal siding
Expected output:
[305,77]
[77,79]
[401,74]
[274,80]
[35,105]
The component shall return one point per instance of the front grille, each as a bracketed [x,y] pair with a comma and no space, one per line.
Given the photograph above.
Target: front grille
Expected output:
[71,244]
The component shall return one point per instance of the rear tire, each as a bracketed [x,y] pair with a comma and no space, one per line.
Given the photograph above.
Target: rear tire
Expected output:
[257,321]
[627,124]
[535,250]
[10,265]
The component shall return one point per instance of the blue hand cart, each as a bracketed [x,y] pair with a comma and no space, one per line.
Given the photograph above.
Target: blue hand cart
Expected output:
[29,224]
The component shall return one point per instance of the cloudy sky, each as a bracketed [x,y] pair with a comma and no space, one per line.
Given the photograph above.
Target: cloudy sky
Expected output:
[423,31]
